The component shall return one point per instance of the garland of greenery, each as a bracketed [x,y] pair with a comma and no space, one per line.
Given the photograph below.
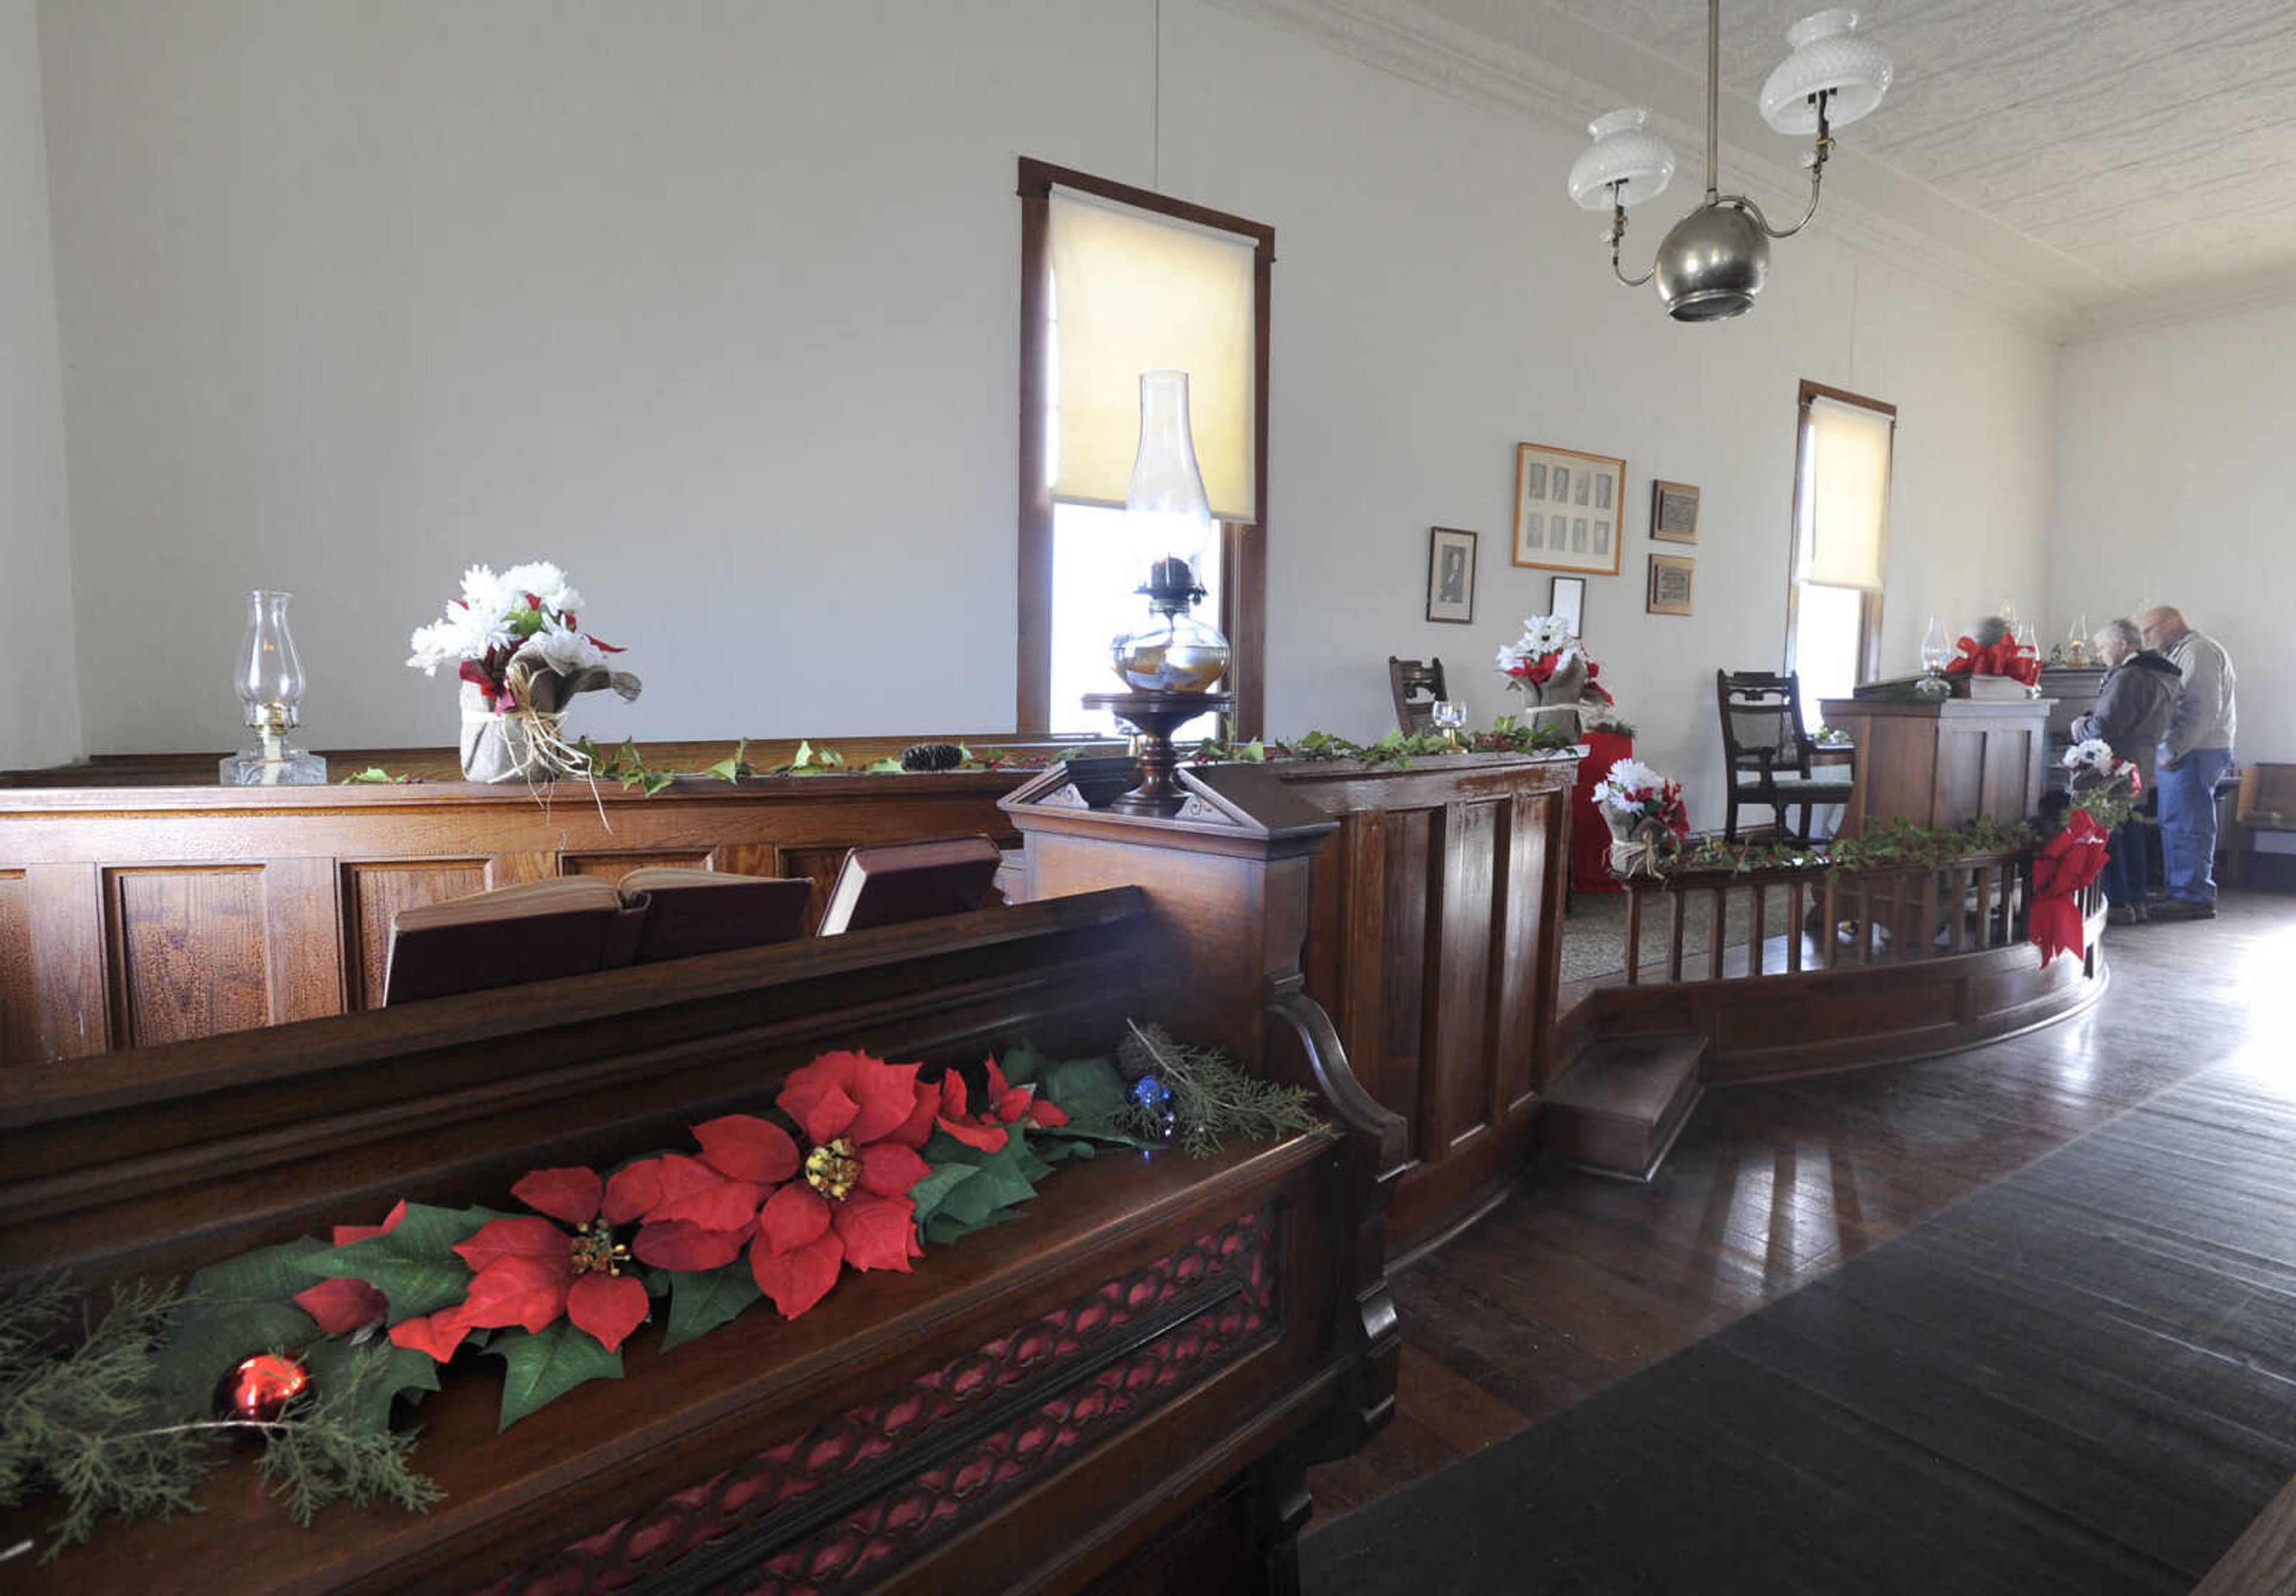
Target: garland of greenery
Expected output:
[1208,1097]
[1398,748]
[112,1426]
[1889,844]
[121,1421]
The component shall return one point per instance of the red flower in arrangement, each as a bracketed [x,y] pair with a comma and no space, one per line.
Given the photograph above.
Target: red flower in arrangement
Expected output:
[530,1273]
[1007,1104]
[802,1210]
[2067,862]
[865,1120]
[344,1304]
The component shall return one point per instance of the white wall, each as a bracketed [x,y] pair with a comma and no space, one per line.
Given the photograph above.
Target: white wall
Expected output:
[717,304]
[2176,481]
[39,691]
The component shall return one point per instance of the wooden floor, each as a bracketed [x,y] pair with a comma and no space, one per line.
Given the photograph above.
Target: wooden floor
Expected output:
[1577,1281]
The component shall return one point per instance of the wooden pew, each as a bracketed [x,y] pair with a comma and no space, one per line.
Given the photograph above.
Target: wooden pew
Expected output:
[1124,1387]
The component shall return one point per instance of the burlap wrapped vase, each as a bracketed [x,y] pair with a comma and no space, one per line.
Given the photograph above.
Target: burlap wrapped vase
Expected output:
[1639,846]
[1558,697]
[526,742]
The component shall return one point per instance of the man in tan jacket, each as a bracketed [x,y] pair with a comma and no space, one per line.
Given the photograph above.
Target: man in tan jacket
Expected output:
[2196,752]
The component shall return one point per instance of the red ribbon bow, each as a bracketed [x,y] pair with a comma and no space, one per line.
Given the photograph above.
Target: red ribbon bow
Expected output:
[2067,862]
[2008,658]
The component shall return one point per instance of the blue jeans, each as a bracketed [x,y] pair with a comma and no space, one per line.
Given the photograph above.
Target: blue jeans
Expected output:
[2189,822]
[2125,865]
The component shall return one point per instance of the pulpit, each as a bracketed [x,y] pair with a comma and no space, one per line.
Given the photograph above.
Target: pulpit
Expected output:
[1944,761]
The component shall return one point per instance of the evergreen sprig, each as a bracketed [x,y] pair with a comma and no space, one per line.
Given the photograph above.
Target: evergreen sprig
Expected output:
[1211,1098]
[77,1417]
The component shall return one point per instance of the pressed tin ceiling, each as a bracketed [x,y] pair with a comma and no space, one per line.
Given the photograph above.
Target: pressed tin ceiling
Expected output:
[2151,141]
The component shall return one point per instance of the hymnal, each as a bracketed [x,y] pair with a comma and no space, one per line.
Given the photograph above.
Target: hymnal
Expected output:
[575,924]
[901,882]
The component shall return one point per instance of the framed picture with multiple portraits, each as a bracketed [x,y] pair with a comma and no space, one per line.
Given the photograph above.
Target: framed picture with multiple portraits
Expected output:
[1568,509]
[1450,575]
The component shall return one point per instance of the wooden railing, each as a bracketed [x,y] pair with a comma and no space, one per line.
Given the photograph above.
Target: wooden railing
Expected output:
[1869,916]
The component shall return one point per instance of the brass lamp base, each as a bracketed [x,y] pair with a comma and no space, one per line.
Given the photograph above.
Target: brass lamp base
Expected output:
[1156,715]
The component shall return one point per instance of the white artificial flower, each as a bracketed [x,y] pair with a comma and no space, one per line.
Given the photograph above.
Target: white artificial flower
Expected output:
[545,582]
[562,648]
[438,644]
[2094,754]
[486,593]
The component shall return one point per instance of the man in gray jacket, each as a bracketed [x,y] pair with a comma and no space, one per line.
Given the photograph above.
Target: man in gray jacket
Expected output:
[2134,703]
[2196,752]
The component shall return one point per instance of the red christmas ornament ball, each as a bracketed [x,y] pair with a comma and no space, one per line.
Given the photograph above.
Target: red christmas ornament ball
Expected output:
[260,1388]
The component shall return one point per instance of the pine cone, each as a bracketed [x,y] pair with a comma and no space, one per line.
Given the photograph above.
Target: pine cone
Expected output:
[931,756]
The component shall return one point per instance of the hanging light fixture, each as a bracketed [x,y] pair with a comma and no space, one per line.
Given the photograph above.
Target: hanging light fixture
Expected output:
[1713,262]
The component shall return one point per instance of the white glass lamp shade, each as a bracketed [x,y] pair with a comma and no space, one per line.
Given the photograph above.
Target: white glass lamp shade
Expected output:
[1167,513]
[1828,57]
[1622,153]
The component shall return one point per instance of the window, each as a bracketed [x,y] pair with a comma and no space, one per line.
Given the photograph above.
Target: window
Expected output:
[1842,533]
[1115,281]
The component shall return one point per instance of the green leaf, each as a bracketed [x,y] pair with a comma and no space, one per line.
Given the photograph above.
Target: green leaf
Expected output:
[373,773]
[233,1309]
[1083,1087]
[654,781]
[701,1302]
[414,1265]
[929,1193]
[335,1363]
[1022,1064]
[541,1368]
[887,766]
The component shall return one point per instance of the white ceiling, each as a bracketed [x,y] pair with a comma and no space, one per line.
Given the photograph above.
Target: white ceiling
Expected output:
[2150,144]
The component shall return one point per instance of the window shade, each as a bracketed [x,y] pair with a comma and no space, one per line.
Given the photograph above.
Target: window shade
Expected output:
[1133,293]
[1848,529]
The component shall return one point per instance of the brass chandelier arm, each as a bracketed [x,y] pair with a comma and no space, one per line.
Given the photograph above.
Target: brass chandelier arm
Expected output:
[1618,237]
[1816,178]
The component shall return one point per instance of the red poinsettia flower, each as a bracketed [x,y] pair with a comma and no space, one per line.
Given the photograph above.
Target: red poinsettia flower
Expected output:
[863,1121]
[344,1304]
[1006,1105]
[530,1273]
[700,1213]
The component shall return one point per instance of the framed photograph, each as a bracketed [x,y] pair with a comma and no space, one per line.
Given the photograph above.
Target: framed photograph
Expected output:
[1450,575]
[1674,511]
[1566,595]
[1671,579]
[1566,509]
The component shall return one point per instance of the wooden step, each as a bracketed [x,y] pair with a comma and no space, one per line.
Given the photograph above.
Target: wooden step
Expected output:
[1623,1101]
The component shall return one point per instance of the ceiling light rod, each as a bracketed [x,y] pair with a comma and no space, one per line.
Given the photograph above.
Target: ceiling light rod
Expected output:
[1714,260]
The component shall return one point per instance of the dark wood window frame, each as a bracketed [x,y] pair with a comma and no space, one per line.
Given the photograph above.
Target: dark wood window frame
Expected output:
[1869,604]
[1244,605]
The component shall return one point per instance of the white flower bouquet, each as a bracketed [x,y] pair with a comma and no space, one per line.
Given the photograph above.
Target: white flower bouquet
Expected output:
[2108,787]
[1645,813]
[1549,666]
[522,658]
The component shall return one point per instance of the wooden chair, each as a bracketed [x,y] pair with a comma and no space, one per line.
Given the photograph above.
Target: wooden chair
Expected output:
[1765,754]
[1409,676]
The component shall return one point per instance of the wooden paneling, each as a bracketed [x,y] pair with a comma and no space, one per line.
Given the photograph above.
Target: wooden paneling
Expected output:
[372,892]
[1434,945]
[613,867]
[19,1008]
[817,865]
[68,963]
[301,938]
[186,948]
[1942,762]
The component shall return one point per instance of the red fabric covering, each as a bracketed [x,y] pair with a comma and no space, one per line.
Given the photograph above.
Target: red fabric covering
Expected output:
[2067,862]
[2005,658]
[1590,834]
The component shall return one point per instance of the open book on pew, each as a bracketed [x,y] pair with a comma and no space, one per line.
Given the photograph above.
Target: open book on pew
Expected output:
[575,924]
